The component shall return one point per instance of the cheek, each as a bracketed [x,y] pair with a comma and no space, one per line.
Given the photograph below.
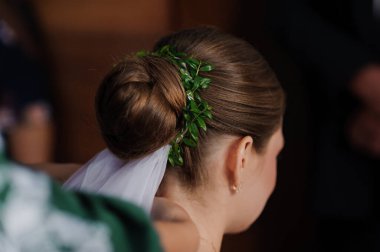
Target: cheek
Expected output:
[266,182]
[270,175]
[261,188]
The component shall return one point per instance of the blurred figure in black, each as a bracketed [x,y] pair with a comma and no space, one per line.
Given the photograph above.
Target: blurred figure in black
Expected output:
[336,44]
[24,98]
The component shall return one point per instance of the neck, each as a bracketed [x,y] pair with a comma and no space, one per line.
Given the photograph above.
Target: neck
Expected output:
[205,210]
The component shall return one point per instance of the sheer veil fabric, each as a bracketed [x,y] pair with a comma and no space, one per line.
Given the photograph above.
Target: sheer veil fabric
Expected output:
[136,181]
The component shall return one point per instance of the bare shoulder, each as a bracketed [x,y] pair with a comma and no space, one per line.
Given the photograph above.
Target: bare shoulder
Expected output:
[59,172]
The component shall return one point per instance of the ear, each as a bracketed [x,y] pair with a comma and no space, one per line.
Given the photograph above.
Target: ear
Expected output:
[237,160]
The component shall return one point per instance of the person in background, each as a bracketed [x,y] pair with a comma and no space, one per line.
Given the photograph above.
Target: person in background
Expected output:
[337,47]
[25,107]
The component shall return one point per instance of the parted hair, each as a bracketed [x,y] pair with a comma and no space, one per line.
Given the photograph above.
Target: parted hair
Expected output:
[139,103]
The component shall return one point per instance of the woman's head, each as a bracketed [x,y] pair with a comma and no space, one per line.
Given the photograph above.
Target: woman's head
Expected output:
[245,94]
[140,101]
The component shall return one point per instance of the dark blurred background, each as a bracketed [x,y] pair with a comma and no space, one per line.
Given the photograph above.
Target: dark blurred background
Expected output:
[54,54]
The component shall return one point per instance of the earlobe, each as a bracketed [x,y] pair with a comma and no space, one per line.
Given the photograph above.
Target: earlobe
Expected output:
[238,156]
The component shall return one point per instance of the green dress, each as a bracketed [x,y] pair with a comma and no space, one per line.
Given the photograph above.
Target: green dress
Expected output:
[37,215]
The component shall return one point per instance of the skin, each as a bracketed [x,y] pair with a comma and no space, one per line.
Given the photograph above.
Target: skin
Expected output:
[232,199]
[176,230]
[364,132]
[366,86]
[364,126]
[59,172]
[31,138]
[217,207]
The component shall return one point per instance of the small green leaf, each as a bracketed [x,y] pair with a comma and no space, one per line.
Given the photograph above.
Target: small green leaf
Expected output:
[186,116]
[193,129]
[141,53]
[197,82]
[205,82]
[184,72]
[193,107]
[179,161]
[201,123]
[191,63]
[187,80]
[203,105]
[169,51]
[183,64]
[206,68]
[197,97]
[187,83]
[171,161]
[164,50]
[190,95]
[193,72]
[189,142]
[175,147]
[208,114]
[195,62]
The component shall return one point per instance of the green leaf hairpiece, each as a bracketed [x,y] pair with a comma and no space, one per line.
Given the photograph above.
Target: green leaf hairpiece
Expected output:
[196,111]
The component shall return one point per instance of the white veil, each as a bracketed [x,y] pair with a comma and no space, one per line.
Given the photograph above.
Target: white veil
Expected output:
[136,181]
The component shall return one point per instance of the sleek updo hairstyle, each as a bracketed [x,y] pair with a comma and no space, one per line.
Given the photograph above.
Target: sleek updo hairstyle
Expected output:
[139,103]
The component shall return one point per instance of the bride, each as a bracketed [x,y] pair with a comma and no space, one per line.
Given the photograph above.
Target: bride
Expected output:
[196,122]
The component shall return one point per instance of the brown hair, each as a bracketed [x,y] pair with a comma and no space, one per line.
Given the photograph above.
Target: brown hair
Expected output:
[140,101]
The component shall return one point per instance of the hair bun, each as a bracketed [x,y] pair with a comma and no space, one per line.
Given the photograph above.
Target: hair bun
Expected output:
[138,105]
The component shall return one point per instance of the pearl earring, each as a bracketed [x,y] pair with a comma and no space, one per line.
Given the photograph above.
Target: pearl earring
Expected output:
[235,188]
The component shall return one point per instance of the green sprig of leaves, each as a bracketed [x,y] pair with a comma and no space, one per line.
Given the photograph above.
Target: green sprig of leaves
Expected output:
[196,111]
